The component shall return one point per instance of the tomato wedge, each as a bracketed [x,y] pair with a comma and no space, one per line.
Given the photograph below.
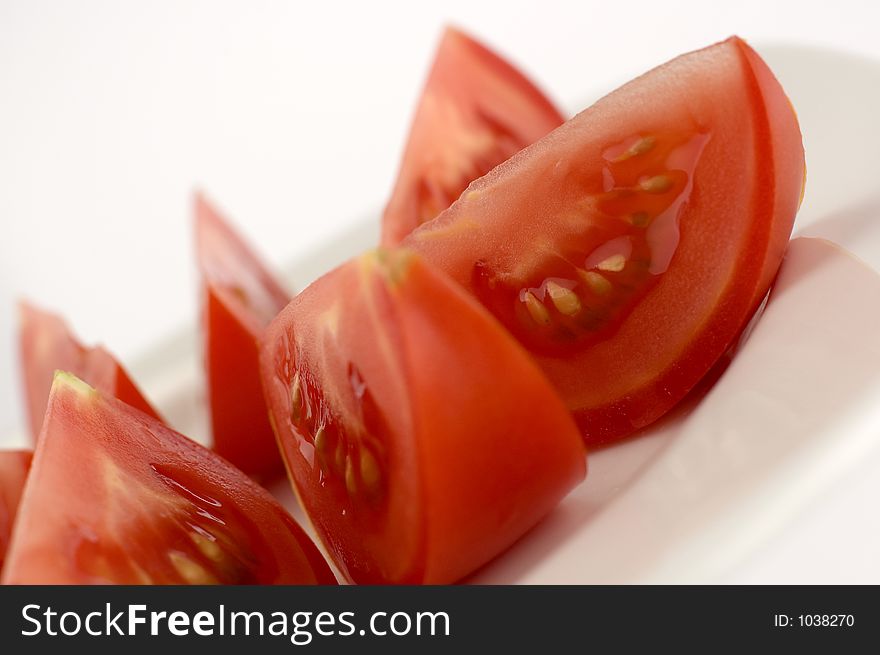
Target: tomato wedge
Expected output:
[475,112]
[239,299]
[628,248]
[14,465]
[420,438]
[47,345]
[116,497]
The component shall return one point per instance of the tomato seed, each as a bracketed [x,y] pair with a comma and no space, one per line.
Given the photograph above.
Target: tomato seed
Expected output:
[371,474]
[536,309]
[640,147]
[597,283]
[613,264]
[190,570]
[350,480]
[656,184]
[565,300]
[295,399]
[209,548]
[339,458]
[321,441]
[639,219]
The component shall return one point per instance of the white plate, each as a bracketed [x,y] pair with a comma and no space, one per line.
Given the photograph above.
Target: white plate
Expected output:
[708,493]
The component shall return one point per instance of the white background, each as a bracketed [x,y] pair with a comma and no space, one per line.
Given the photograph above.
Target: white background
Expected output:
[291,116]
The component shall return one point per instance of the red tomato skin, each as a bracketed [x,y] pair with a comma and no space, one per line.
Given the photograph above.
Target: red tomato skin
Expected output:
[782,143]
[47,344]
[134,491]
[476,110]
[14,466]
[481,446]
[231,330]
[679,329]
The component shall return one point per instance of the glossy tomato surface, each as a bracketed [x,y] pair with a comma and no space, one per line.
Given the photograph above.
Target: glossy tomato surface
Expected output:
[475,112]
[116,497]
[14,465]
[628,248]
[47,345]
[239,298]
[420,438]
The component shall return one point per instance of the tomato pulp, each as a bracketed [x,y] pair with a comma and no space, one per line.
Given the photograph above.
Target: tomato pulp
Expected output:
[47,345]
[116,497]
[420,438]
[628,248]
[239,299]
[476,111]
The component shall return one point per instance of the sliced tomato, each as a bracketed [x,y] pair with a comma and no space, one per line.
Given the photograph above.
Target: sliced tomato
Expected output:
[116,497]
[420,438]
[239,299]
[628,248]
[47,345]
[475,112]
[14,465]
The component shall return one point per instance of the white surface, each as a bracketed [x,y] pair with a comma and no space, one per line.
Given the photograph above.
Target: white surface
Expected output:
[293,121]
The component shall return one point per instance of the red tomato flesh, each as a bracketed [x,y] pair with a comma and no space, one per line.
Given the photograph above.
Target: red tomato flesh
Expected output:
[475,112]
[421,440]
[14,465]
[116,497]
[47,345]
[628,248]
[239,298]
